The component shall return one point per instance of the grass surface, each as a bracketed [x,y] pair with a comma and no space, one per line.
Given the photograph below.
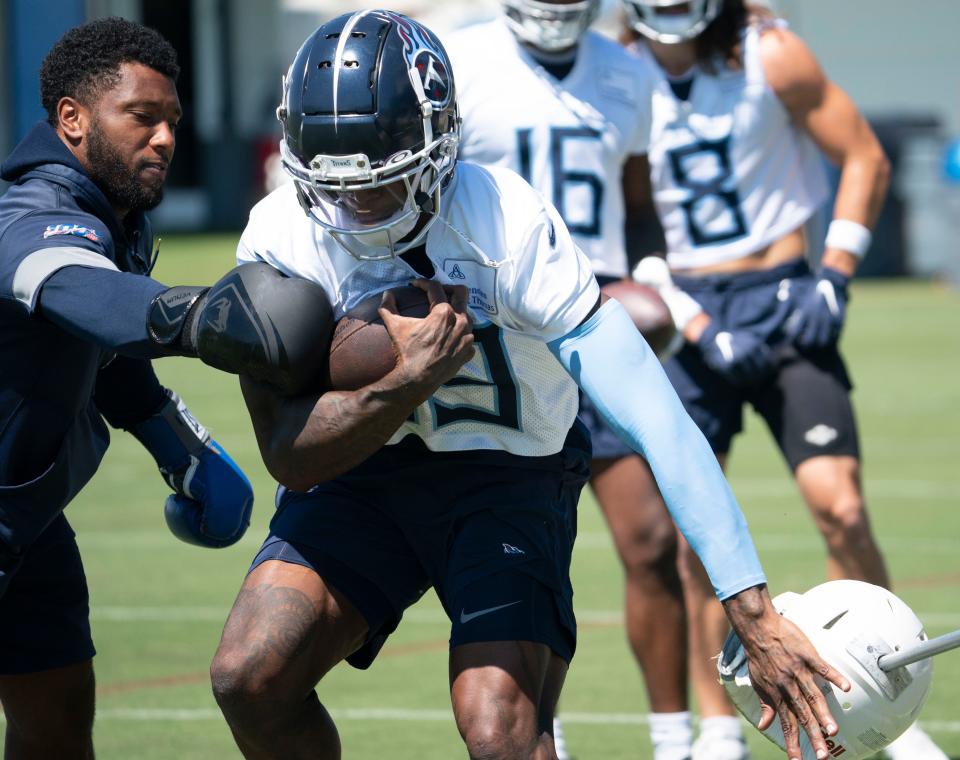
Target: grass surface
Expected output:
[158,605]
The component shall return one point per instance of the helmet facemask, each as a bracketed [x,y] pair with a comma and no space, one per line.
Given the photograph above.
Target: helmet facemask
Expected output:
[550,26]
[671,21]
[335,190]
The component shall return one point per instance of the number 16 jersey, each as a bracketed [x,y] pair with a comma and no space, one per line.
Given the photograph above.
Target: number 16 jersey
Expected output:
[568,138]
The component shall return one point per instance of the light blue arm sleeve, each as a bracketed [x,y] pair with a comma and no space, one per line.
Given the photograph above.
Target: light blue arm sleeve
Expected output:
[615,367]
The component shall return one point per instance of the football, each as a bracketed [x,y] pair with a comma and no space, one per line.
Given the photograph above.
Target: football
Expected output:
[361,351]
[647,310]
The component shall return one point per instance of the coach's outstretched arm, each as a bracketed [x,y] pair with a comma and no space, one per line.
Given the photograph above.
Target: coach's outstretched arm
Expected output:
[307,439]
[606,356]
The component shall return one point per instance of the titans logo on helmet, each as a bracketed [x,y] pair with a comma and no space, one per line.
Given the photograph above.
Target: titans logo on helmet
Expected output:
[433,75]
[423,52]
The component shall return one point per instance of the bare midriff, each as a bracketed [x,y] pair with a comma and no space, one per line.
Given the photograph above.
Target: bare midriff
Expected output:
[790,247]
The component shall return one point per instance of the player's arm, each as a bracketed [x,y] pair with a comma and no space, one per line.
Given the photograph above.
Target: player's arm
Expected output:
[822,109]
[829,116]
[614,366]
[307,439]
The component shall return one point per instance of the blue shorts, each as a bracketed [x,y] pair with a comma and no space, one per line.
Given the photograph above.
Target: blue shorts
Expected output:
[45,612]
[492,533]
[806,404]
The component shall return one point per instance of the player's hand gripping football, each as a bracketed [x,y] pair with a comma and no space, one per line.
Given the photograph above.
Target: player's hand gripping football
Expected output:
[784,670]
[431,350]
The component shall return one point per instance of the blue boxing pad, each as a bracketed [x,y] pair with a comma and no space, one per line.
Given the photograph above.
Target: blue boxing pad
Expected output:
[213,499]
[209,512]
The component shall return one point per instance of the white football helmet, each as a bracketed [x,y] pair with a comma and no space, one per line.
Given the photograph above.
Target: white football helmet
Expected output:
[550,26]
[852,624]
[667,21]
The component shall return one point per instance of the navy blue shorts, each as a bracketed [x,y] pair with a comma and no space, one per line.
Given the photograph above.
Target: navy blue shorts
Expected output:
[806,404]
[45,613]
[492,533]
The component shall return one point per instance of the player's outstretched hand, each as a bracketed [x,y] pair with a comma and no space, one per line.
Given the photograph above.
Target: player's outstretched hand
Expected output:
[741,357]
[818,320]
[431,350]
[785,671]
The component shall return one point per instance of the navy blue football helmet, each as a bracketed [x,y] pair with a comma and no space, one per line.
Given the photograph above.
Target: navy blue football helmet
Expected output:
[370,130]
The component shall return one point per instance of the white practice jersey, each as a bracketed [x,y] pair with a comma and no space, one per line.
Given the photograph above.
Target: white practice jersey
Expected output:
[568,138]
[528,284]
[730,172]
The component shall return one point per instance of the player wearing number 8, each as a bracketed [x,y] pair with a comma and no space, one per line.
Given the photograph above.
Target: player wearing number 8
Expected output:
[740,107]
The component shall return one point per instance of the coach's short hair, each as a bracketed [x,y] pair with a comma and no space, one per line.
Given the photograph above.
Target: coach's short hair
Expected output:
[85,62]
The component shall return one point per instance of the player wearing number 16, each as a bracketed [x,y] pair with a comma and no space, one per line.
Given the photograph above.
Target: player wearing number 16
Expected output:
[461,468]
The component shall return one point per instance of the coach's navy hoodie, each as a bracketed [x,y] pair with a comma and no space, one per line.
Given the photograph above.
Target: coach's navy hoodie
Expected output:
[73,291]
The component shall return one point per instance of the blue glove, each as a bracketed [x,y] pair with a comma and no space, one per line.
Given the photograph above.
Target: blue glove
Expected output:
[818,319]
[213,499]
[741,357]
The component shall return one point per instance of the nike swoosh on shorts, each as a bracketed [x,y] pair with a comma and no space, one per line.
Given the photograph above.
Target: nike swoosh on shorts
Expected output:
[466,617]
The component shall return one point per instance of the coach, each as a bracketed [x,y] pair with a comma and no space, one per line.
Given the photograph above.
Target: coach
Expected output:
[80,319]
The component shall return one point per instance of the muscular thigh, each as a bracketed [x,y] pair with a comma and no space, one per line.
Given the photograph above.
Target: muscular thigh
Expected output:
[289,625]
[807,407]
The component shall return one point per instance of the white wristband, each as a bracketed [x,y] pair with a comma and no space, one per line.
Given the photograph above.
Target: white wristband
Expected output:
[848,236]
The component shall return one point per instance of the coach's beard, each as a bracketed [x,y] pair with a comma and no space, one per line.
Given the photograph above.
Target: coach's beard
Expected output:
[119,183]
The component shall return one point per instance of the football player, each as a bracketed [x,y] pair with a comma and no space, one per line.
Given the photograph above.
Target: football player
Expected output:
[740,109]
[568,109]
[469,487]
[80,318]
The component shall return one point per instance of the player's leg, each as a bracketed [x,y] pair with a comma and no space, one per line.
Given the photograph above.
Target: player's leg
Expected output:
[46,668]
[326,586]
[813,421]
[505,582]
[496,689]
[551,732]
[716,408]
[831,487]
[49,714]
[721,733]
[809,413]
[646,541]
[287,628]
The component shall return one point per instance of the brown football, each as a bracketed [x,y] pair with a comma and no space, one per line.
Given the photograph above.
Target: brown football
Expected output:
[361,351]
[647,310]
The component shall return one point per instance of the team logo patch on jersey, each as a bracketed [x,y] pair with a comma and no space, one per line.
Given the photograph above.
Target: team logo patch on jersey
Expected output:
[71,229]
[480,280]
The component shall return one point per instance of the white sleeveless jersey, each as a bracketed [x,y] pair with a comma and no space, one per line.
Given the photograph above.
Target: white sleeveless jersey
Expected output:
[528,283]
[730,172]
[568,138]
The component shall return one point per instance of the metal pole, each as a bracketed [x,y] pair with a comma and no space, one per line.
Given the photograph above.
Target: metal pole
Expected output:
[927,649]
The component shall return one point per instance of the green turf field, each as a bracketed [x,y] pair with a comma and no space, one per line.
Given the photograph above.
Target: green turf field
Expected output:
[158,605]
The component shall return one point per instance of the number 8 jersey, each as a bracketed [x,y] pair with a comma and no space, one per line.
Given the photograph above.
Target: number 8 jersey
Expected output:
[730,173]
[569,138]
